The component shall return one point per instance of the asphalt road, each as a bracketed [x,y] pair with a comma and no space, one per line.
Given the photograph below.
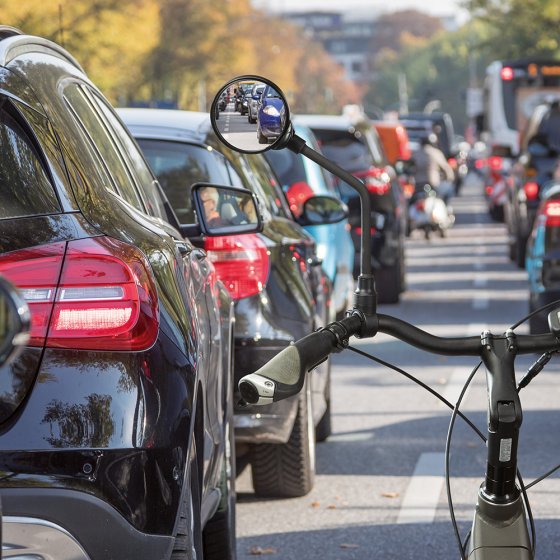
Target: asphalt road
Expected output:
[379,491]
[238,131]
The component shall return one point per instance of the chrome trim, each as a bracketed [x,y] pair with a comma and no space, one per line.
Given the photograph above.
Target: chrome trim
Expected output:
[28,538]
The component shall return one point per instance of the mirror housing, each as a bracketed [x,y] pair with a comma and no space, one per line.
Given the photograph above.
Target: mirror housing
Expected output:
[15,321]
[224,210]
[322,210]
[272,128]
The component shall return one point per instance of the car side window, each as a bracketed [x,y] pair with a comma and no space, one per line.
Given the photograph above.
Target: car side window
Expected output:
[25,186]
[144,179]
[178,166]
[104,144]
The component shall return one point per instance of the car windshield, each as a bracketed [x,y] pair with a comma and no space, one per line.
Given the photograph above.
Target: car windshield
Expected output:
[271,92]
[345,149]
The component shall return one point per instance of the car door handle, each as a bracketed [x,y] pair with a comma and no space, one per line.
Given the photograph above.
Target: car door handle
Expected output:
[184,250]
[199,254]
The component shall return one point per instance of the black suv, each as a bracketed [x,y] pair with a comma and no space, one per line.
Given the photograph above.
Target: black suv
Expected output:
[356,147]
[116,421]
[275,279]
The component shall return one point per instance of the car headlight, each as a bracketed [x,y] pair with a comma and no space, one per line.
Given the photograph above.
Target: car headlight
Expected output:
[271,111]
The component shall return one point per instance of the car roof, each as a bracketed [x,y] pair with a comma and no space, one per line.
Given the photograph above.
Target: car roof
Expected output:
[14,43]
[171,124]
[336,122]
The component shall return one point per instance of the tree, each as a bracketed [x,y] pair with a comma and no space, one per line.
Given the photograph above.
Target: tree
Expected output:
[519,28]
[109,38]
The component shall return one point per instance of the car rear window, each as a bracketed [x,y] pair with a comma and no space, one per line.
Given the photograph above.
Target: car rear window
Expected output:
[25,187]
[178,166]
[345,149]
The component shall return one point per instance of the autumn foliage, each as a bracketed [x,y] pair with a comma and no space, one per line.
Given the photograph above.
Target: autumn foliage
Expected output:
[181,51]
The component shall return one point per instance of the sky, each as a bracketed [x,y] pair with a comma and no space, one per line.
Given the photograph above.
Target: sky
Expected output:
[434,7]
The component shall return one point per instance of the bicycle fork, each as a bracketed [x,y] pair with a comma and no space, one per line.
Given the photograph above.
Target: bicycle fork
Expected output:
[499,530]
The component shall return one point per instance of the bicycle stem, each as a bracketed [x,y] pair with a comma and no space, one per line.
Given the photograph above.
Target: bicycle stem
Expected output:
[504,416]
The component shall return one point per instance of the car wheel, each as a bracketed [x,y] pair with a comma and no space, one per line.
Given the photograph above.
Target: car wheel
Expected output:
[324,428]
[188,538]
[219,533]
[287,470]
[388,282]
[261,137]
[251,119]
[521,249]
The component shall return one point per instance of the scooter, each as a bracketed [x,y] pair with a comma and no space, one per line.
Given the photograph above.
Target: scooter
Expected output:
[428,212]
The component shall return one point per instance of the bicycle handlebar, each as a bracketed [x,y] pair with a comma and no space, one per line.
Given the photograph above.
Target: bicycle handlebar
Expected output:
[284,375]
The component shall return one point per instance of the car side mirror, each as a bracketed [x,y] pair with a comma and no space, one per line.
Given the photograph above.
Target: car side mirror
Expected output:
[322,210]
[224,210]
[15,321]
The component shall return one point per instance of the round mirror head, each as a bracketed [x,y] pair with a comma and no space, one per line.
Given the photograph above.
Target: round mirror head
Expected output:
[250,114]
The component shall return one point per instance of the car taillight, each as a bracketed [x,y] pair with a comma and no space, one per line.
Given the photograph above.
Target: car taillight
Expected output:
[376,180]
[506,73]
[359,230]
[480,163]
[489,190]
[36,273]
[531,190]
[552,212]
[452,162]
[242,263]
[98,295]
[495,163]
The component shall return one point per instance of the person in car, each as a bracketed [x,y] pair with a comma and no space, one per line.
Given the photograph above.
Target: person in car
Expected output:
[431,166]
[210,199]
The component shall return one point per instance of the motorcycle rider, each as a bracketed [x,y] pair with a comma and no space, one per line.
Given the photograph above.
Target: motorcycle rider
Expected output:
[431,166]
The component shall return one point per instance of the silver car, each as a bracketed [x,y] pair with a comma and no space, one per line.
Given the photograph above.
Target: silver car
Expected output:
[253,104]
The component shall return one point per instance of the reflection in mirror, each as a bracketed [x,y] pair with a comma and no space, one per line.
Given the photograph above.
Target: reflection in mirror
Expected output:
[250,114]
[319,210]
[14,321]
[226,210]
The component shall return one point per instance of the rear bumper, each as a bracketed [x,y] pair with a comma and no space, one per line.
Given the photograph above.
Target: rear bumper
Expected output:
[43,522]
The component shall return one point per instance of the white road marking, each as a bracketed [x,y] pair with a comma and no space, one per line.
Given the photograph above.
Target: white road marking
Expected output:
[455,385]
[422,495]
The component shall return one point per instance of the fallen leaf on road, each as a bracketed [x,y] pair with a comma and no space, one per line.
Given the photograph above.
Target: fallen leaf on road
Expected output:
[390,494]
[259,550]
[315,504]
[331,506]
[349,545]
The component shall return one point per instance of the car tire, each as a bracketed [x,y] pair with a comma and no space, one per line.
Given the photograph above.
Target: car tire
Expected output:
[324,428]
[251,119]
[188,538]
[388,283]
[521,249]
[261,137]
[287,470]
[219,532]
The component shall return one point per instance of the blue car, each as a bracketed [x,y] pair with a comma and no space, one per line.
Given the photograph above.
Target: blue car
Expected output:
[269,116]
[543,257]
[300,179]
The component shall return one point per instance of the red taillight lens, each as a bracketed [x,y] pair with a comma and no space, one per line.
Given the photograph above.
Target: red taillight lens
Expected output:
[297,194]
[103,299]
[452,162]
[36,273]
[489,189]
[359,230]
[531,190]
[376,180]
[480,163]
[552,213]
[506,73]
[241,263]
[495,163]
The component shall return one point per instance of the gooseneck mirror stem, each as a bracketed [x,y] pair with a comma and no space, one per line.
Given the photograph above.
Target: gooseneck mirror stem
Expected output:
[365,297]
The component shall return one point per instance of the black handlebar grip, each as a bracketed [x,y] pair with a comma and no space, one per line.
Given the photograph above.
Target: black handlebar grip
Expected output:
[284,375]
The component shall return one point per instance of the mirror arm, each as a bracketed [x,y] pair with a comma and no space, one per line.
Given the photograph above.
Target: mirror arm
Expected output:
[365,296]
